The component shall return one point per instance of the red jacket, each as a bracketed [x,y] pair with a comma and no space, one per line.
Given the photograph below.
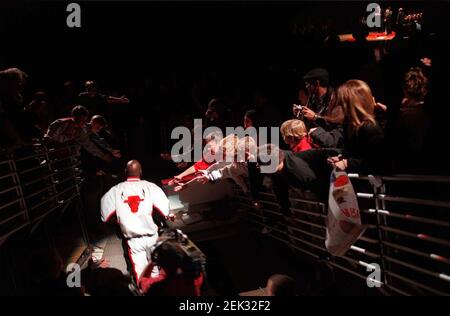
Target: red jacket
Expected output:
[202,165]
[163,285]
[304,144]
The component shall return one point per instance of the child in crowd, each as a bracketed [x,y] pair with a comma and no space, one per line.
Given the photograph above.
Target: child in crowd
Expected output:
[296,136]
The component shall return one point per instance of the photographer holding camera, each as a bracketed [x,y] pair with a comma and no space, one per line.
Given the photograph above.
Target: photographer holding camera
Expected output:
[320,110]
[179,273]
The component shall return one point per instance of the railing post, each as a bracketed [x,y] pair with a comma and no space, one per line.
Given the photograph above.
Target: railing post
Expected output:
[50,169]
[377,187]
[384,235]
[81,219]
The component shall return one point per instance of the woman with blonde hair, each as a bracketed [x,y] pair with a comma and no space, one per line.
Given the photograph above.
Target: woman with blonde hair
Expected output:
[363,137]
[357,100]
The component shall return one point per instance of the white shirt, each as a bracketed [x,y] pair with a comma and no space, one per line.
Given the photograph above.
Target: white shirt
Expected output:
[133,203]
[231,170]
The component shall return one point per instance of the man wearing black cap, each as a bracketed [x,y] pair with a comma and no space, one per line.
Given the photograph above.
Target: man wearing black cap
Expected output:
[320,110]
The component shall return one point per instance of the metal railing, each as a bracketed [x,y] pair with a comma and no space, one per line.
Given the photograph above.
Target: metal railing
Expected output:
[407,235]
[36,181]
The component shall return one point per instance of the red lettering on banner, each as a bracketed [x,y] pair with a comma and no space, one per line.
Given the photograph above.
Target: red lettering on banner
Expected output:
[350,212]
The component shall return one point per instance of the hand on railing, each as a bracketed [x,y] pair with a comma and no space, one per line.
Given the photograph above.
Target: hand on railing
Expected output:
[338,162]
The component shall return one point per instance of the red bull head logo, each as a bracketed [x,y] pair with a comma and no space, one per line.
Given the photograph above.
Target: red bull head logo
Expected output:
[133,201]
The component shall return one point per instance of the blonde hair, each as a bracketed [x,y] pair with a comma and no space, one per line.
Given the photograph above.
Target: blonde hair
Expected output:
[357,100]
[246,145]
[228,146]
[213,136]
[293,128]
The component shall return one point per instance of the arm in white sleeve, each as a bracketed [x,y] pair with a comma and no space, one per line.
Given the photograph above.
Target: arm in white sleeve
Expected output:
[108,205]
[215,172]
[56,131]
[160,200]
[235,171]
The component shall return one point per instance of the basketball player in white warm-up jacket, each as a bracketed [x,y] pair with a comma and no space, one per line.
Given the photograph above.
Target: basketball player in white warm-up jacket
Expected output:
[132,203]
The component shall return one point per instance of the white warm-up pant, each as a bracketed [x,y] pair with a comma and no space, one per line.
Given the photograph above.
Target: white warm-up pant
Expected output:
[139,250]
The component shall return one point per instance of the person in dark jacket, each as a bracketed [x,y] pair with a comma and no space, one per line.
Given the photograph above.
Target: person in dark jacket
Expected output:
[292,171]
[363,137]
[321,109]
[411,129]
[327,139]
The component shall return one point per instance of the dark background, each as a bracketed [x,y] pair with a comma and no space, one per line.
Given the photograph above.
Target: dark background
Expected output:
[125,41]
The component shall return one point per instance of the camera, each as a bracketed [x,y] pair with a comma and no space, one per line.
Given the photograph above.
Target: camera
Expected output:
[194,262]
[298,107]
[298,110]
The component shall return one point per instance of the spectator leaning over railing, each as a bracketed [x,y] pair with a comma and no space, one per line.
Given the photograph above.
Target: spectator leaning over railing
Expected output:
[212,142]
[96,125]
[363,137]
[292,171]
[233,165]
[244,149]
[72,129]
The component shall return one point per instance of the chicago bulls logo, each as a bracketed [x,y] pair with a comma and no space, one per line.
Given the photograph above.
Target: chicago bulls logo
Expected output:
[133,201]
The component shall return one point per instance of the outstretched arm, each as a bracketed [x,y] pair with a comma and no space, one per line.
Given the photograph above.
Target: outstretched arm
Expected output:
[115,100]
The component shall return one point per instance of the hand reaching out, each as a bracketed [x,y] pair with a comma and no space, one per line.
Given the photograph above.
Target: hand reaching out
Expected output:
[179,188]
[116,153]
[203,179]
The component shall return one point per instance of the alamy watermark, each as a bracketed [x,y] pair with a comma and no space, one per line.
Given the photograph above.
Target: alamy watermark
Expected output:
[237,145]
[374,17]
[374,278]
[73,19]
[73,278]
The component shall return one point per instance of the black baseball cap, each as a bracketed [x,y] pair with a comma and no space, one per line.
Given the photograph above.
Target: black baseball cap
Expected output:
[318,74]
